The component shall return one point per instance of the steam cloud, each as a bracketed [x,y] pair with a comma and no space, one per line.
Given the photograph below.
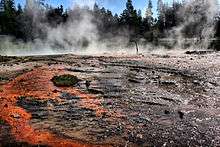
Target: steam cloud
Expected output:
[80,36]
[200,13]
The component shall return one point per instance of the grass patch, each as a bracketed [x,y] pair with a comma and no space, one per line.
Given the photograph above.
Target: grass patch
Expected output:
[4,78]
[65,80]
[22,97]
[2,122]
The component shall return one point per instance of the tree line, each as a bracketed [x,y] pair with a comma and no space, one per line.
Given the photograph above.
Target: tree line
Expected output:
[18,22]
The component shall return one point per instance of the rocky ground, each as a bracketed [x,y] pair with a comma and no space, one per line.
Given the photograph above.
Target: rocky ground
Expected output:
[152,100]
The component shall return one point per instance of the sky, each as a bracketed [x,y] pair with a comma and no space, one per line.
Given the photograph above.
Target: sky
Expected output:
[116,6]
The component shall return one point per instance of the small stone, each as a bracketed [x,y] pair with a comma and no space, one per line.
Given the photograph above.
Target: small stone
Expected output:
[109,102]
[6,105]
[78,65]
[55,91]
[166,112]
[49,106]
[139,136]
[87,84]
[168,83]
[133,81]
[15,115]
[196,82]
[181,114]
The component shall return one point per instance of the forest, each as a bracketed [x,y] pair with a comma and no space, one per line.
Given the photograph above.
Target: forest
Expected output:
[24,24]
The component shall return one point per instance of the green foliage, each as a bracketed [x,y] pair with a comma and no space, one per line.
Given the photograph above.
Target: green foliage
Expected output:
[131,19]
[65,80]
[8,18]
[21,97]
[55,16]
[3,78]
[20,23]
[19,11]
[2,121]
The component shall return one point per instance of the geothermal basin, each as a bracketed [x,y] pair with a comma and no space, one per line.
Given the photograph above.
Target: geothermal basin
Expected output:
[132,101]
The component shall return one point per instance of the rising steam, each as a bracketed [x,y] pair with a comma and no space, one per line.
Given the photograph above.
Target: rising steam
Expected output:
[80,36]
[199,14]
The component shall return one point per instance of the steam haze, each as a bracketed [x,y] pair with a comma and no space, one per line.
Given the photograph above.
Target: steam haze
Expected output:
[80,35]
[199,13]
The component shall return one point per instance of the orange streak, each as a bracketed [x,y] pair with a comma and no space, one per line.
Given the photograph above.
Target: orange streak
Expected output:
[37,84]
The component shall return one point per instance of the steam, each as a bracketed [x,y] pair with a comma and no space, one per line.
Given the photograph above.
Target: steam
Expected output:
[200,14]
[80,35]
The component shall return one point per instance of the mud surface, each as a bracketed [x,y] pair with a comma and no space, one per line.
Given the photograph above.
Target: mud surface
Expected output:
[119,101]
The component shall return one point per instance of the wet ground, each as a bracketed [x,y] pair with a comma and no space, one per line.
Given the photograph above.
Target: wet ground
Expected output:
[152,100]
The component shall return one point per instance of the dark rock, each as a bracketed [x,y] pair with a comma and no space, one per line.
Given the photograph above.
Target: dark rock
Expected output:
[166,112]
[198,52]
[68,96]
[181,114]
[55,91]
[196,82]
[168,83]
[165,56]
[4,79]
[6,105]
[133,81]
[135,69]
[77,70]
[156,77]
[94,91]
[4,58]
[87,84]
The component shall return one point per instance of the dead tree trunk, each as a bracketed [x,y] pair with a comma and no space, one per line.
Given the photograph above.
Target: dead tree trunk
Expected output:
[136,45]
